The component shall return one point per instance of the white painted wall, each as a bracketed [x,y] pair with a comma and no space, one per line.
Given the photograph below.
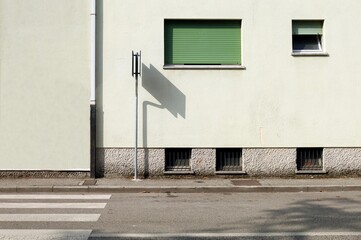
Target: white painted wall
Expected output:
[44,84]
[278,101]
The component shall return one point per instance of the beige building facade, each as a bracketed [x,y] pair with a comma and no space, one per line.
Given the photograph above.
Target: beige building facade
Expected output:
[289,105]
[44,85]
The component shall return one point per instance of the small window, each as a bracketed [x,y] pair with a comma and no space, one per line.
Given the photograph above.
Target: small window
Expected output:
[309,159]
[307,36]
[202,42]
[229,159]
[177,159]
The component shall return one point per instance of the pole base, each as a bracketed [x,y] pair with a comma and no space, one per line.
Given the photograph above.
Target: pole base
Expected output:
[137,180]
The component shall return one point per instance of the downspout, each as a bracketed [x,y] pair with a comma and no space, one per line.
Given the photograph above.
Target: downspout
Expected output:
[92,91]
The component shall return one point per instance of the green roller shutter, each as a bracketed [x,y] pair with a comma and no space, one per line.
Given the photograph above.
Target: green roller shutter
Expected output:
[202,42]
[307,27]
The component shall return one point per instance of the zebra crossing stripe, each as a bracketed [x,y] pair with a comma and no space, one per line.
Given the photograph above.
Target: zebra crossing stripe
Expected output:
[49,217]
[55,196]
[52,205]
[45,234]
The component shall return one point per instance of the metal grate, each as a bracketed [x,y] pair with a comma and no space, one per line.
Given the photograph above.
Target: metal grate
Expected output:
[309,159]
[229,159]
[177,159]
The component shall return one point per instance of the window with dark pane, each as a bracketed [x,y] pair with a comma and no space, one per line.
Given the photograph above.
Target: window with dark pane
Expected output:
[177,159]
[228,159]
[307,42]
[309,159]
[307,35]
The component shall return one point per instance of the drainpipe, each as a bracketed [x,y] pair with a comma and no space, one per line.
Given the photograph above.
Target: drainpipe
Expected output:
[92,92]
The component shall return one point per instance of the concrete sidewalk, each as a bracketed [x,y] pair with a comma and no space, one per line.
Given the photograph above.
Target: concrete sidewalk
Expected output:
[194,185]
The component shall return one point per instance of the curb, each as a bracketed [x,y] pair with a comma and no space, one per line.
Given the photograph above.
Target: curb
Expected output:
[178,189]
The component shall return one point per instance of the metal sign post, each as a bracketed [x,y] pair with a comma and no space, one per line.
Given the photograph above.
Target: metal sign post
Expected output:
[136,69]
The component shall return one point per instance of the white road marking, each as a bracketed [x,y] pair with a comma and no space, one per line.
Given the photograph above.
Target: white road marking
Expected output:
[44,234]
[225,235]
[49,217]
[52,205]
[54,196]
[31,217]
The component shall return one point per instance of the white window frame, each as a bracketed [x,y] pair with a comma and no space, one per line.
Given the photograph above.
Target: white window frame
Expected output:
[321,42]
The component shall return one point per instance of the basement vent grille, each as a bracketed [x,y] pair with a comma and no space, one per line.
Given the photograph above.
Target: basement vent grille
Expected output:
[229,159]
[177,159]
[309,159]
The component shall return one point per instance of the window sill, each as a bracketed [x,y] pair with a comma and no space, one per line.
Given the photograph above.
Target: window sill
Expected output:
[231,173]
[204,67]
[310,54]
[178,172]
[311,172]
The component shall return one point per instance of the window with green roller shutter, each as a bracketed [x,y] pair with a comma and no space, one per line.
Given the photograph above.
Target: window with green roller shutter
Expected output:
[202,42]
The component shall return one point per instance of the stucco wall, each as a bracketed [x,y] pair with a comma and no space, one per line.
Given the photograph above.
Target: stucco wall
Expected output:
[44,84]
[151,162]
[120,162]
[342,161]
[278,101]
[257,162]
[270,162]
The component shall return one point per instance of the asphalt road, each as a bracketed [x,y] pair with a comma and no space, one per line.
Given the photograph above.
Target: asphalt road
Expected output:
[332,215]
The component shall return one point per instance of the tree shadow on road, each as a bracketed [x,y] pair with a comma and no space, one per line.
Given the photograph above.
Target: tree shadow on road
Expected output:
[316,215]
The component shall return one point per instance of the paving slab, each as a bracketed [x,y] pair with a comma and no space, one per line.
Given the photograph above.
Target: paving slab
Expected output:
[124,185]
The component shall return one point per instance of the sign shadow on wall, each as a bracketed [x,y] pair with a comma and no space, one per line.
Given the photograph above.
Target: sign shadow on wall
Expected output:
[168,96]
